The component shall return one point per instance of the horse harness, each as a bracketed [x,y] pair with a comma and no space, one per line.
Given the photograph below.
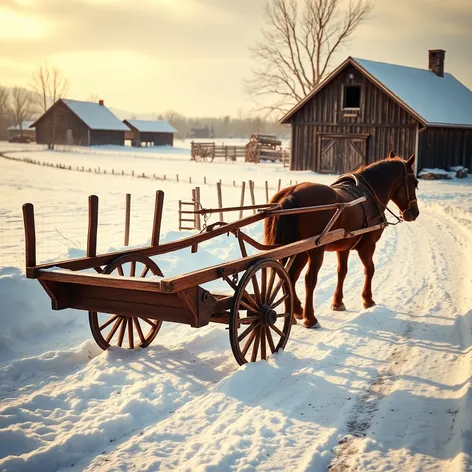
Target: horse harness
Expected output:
[357,186]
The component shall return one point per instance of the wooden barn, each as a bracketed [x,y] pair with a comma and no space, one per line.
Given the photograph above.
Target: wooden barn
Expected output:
[364,109]
[80,123]
[150,132]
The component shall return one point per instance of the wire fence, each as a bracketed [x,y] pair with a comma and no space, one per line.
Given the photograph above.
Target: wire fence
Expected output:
[62,233]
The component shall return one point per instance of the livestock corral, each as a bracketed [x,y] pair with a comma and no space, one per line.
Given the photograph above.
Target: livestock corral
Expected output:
[183,403]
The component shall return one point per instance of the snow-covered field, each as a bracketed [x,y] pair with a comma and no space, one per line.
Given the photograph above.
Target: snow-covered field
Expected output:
[381,389]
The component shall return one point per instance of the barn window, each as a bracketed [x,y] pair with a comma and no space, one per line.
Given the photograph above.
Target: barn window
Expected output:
[352,96]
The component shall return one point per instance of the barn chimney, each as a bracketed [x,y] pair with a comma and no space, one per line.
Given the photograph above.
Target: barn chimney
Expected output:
[101,103]
[436,61]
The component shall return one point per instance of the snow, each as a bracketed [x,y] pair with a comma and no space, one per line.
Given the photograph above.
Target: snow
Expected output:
[96,116]
[152,126]
[436,171]
[438,100]
[25,125]
[386,388]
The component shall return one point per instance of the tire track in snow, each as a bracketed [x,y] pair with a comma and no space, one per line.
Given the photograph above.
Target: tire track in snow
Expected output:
[437,266]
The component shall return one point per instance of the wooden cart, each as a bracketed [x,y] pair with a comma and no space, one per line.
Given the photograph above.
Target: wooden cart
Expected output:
[127,296]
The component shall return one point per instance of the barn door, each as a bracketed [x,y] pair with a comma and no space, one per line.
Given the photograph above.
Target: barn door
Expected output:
[327,155]
[341,154]
[355,154]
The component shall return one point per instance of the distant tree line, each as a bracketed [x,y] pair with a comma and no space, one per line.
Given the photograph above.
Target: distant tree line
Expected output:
[222,127]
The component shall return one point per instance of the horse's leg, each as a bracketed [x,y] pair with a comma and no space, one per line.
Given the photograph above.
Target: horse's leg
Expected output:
[366,254]
[315,261]
[338,304]
[298,264]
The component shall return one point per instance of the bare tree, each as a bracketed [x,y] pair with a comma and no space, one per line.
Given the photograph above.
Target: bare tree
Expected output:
[93,97]
[5,113]
[22,106]
[50,85]
[297,48]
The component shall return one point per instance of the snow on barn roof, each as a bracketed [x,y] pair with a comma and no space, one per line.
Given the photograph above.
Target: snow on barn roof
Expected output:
[25,125]
[438,100]
[434,100]
[152,126]
[96,116]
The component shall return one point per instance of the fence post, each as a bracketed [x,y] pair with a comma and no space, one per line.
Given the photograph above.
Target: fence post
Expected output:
[198,225]
[253,198]
[243,189]
[280,184]
[220,199]
[92,226]
[127,218]
[267,191]
[156,227]
[30,235]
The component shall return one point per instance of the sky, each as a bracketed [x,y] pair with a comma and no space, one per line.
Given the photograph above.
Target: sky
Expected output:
[192,56]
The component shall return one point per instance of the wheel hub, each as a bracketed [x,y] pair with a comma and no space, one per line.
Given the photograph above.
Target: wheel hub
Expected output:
[268,316]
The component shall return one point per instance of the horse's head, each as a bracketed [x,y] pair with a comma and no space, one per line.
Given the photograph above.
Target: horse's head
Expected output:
[405,195]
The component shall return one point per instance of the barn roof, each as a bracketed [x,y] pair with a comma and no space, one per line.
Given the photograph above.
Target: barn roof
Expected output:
[434,100]
[95,116]
[152,126]
[26,124]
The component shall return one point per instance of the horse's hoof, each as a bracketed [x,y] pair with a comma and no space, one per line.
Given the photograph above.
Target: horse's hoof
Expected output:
[310,325]
[369,305]
[298,316]
[294,320]
[341,307]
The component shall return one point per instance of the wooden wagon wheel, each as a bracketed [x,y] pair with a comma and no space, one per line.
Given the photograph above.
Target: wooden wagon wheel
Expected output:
[261,315]
[116,330]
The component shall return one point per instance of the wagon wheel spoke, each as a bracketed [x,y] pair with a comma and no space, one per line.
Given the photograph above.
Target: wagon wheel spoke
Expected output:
[283,315]
[249,329]
[255,348]
[271,284]
[122,331]
[275,292]
[132,269]
[263,343]
[130,333]
[248,342]
[113,330]
[148,321]
[249,319]
[144,271]
[279,301]
[277,330]
[270,340]
[138,329]
[120,271]
[108,322]
[263,284]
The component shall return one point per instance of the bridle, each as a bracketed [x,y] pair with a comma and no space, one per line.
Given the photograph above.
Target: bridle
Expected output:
[383,207]
[407,191]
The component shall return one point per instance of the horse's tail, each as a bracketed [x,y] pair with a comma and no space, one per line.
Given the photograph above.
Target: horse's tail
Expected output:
[282,229]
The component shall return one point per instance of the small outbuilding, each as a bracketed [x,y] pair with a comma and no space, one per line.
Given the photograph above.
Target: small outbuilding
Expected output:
[74,122]
[23,130]
[364,109]
[150,132]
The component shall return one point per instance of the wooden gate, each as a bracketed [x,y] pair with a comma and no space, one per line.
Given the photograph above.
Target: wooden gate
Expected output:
[339,154]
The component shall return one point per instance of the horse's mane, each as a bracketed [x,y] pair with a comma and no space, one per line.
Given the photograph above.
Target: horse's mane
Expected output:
[379,169]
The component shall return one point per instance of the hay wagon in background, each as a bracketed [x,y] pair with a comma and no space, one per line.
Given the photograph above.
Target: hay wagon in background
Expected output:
[265,147]
[127,296]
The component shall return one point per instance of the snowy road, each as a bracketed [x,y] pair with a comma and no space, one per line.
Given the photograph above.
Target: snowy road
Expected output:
[381,389]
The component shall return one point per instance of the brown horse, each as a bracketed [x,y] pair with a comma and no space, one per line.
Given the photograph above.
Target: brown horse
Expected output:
[389,179]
